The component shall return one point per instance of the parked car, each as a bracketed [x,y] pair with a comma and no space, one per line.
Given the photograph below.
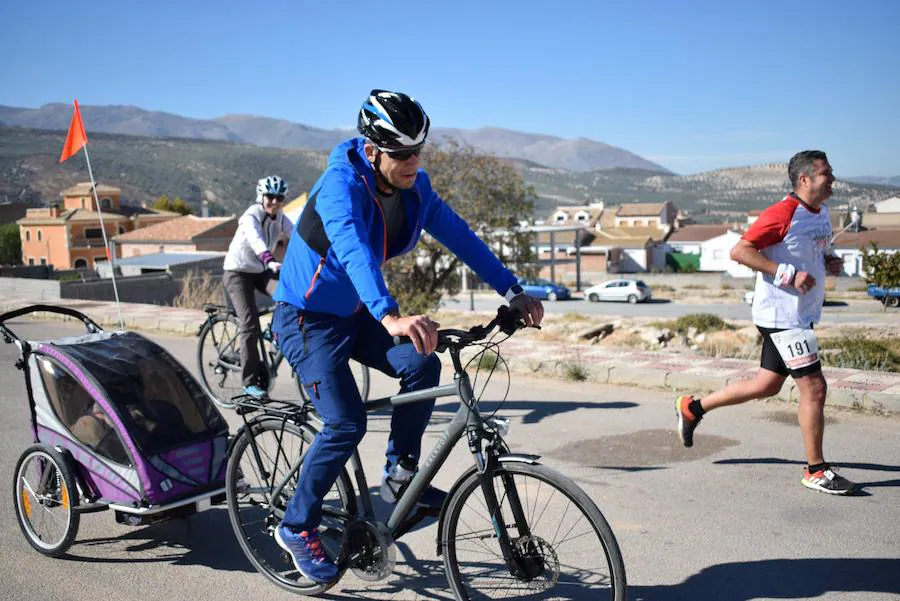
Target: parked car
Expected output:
[888,296]
[544,289]
[632,291]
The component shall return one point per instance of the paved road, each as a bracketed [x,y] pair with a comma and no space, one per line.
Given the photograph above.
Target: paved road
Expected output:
[833,313]
[724,521]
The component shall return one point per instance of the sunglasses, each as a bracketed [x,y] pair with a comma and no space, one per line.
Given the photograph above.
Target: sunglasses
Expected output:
[274,197]
[402,155]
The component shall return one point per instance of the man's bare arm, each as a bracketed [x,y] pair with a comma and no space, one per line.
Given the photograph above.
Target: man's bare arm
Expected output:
[746,254]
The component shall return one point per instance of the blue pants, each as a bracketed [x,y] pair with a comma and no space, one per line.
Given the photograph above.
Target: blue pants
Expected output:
[319,346]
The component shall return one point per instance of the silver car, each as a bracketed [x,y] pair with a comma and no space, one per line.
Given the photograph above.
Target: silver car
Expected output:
[632,291]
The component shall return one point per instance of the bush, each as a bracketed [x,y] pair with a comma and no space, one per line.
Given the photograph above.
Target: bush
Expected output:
[575,372]
[859,353]
[702,322]
[488,360]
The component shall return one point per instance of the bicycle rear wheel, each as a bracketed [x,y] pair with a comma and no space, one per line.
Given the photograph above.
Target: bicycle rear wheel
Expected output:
[219,359]
[562,546]
[250,481]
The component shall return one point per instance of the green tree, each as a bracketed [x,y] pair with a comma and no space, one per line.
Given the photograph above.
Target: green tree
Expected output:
[10,245]
[881,268]
[164,203]
[492,198]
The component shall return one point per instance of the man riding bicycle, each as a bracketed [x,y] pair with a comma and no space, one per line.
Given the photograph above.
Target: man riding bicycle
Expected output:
[370,205]
[251,266]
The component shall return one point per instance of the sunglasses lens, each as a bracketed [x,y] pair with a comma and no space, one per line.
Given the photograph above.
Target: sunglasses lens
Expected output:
[275,197]
[404,155]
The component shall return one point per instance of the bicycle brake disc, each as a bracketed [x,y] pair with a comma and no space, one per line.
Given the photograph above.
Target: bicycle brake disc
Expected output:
[370,551]
[539,558]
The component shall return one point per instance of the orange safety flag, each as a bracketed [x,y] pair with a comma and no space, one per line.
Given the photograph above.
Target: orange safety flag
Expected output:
[76,138]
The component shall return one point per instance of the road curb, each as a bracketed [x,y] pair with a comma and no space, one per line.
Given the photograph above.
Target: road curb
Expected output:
[875,392]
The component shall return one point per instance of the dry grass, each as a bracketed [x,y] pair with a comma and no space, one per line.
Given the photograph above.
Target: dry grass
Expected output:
[728,345]
[197,289]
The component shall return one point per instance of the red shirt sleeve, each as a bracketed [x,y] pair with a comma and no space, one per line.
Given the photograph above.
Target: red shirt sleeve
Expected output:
[772,225]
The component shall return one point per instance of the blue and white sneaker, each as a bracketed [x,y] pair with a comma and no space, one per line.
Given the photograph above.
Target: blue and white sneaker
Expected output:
[308,554]
[255,391]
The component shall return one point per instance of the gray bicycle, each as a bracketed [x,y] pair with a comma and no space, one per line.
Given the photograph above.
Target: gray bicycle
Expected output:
[510,527]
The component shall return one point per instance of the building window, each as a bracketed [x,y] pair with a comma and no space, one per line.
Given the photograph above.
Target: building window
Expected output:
[80,263]
[560,218]
[105,203]
[121,229]
[40,235]
[31,260]
[43,260]
[93,232]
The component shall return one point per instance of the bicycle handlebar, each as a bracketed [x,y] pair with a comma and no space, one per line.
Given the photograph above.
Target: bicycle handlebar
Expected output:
[507,320]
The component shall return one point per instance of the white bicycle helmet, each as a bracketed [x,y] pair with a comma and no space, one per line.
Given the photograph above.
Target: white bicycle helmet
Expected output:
[273,185]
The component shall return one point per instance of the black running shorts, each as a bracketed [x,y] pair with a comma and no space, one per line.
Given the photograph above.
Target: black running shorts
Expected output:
[772,361]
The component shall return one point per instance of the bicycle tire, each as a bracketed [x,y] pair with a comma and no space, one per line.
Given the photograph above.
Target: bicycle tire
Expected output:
[219,359]
[469,541]
[360,374]
[34,505]
[254,517]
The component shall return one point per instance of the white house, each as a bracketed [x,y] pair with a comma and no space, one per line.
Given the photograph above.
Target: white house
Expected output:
[715,255]
[587,216]
[689,238]
[888,205]
[849,245]
[657,215]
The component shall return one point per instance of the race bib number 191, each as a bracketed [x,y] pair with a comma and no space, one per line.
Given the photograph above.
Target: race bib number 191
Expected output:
[798,347]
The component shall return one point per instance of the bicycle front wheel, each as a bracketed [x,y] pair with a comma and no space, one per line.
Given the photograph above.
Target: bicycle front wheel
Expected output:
[266,454]
[219,359]
[561,546]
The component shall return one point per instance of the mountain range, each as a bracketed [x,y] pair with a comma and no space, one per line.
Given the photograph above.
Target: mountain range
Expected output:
[149,154]
[578,154]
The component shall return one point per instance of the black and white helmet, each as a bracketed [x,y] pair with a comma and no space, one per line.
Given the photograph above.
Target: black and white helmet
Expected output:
[393,120]
[273,185]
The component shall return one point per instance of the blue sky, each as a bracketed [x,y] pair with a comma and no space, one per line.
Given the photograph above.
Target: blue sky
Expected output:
[691,84]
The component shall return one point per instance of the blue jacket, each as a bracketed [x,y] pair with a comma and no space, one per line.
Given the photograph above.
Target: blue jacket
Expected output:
[334,258]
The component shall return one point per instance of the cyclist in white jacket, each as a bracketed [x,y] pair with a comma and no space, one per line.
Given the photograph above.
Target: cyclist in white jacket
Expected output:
[251,266]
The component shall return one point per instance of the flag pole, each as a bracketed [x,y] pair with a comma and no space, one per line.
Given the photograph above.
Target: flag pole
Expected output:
[109,257]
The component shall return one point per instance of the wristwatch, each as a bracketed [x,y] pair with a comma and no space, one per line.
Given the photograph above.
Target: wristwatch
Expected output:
[514,291]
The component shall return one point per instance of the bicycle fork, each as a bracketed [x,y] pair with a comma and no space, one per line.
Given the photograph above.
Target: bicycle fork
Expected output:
[520,556]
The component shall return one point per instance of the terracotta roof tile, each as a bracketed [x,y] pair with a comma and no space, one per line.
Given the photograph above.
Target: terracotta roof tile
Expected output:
[887,238]
[698,233]
[183,229]
[84,188]
[640,210]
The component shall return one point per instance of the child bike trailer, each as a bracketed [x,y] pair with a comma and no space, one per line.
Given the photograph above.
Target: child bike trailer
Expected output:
[118,423]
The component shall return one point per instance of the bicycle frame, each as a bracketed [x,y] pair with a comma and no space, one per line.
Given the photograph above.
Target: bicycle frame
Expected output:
[466,419]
